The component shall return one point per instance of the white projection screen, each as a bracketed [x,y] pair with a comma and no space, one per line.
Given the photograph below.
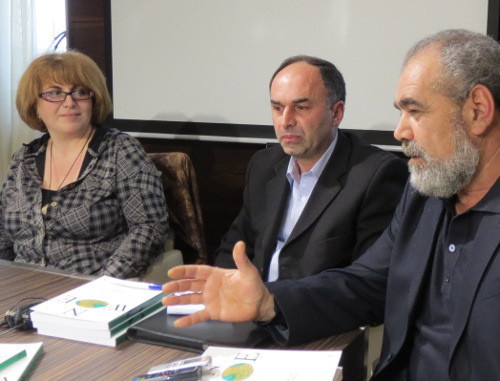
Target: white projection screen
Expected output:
[200,69]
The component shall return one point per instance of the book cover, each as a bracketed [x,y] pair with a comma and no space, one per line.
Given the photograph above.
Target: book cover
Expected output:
[102,304]
[20,369]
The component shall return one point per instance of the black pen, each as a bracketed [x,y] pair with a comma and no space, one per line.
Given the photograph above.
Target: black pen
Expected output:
[193,373]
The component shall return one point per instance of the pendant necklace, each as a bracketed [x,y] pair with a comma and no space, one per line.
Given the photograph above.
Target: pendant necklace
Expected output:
[46,206]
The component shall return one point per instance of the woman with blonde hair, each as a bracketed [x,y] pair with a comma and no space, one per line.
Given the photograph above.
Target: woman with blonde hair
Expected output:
[83,197]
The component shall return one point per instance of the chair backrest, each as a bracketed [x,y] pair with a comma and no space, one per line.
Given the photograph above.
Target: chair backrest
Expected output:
[157,272]
[183,204]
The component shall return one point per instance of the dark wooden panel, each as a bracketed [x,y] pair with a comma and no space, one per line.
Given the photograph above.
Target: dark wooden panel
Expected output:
[494,19]
[86,20]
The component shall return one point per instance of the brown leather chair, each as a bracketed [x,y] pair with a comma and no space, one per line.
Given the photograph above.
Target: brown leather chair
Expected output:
[186,239]
[183,204]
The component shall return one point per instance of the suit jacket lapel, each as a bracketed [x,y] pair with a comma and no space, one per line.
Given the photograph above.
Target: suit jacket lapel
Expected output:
[413,266]
[327,187]
[423,243]
[486,242]
[277,192]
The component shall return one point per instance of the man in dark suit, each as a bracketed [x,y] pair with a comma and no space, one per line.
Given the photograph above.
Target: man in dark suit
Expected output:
[433,276]
[321,197]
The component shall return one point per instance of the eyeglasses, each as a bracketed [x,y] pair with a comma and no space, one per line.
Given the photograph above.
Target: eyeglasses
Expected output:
[60,96]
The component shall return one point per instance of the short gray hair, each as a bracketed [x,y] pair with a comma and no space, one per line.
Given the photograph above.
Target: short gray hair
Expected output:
[467,59]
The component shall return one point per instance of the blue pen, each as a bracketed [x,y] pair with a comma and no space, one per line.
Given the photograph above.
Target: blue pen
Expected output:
[139,285]
[153,286]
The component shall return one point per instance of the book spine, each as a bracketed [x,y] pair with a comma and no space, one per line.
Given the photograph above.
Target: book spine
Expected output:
[129,314]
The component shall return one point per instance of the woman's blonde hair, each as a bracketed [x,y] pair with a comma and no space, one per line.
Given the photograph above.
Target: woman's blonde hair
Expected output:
[72,68]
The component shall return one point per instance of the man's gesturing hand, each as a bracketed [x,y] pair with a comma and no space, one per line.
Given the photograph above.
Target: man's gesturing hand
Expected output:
[228,295]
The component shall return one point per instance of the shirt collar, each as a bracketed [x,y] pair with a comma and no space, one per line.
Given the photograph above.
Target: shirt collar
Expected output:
[489,203]
[97,139]
[293,171]
[37,146]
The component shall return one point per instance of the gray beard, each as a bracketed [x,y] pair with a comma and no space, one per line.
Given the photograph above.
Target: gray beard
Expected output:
[444,177]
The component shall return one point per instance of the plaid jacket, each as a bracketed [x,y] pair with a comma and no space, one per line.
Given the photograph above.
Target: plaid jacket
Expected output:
[113,220]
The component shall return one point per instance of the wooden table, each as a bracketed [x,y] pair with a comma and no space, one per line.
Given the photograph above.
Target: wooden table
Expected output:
[72,360]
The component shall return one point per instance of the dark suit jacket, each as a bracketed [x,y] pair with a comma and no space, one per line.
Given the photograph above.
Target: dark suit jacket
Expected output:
[352,203]
[343,299]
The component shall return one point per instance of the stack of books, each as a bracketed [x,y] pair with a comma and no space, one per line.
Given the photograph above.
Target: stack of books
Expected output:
[97,312]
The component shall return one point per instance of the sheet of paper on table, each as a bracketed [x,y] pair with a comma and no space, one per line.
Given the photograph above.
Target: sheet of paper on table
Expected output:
[185,309]
[269,364]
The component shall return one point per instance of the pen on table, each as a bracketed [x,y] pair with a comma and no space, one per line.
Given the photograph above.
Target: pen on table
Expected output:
[13,359]
[153,286]
[150,286]
[140,285]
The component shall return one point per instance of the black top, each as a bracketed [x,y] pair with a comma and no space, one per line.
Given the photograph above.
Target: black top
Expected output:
[48,194]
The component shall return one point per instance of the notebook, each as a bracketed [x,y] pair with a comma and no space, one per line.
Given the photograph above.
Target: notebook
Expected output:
[159,329]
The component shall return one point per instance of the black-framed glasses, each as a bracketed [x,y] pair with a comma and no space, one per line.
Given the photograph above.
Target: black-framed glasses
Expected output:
[60,96]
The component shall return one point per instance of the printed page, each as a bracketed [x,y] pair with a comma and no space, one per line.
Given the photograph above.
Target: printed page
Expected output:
[237,364]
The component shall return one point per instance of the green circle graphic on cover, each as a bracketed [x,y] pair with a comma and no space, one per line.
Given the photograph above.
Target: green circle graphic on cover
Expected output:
[89,303]
[237,372]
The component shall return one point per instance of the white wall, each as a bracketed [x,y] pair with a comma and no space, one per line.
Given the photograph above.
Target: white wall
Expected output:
[210,61]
